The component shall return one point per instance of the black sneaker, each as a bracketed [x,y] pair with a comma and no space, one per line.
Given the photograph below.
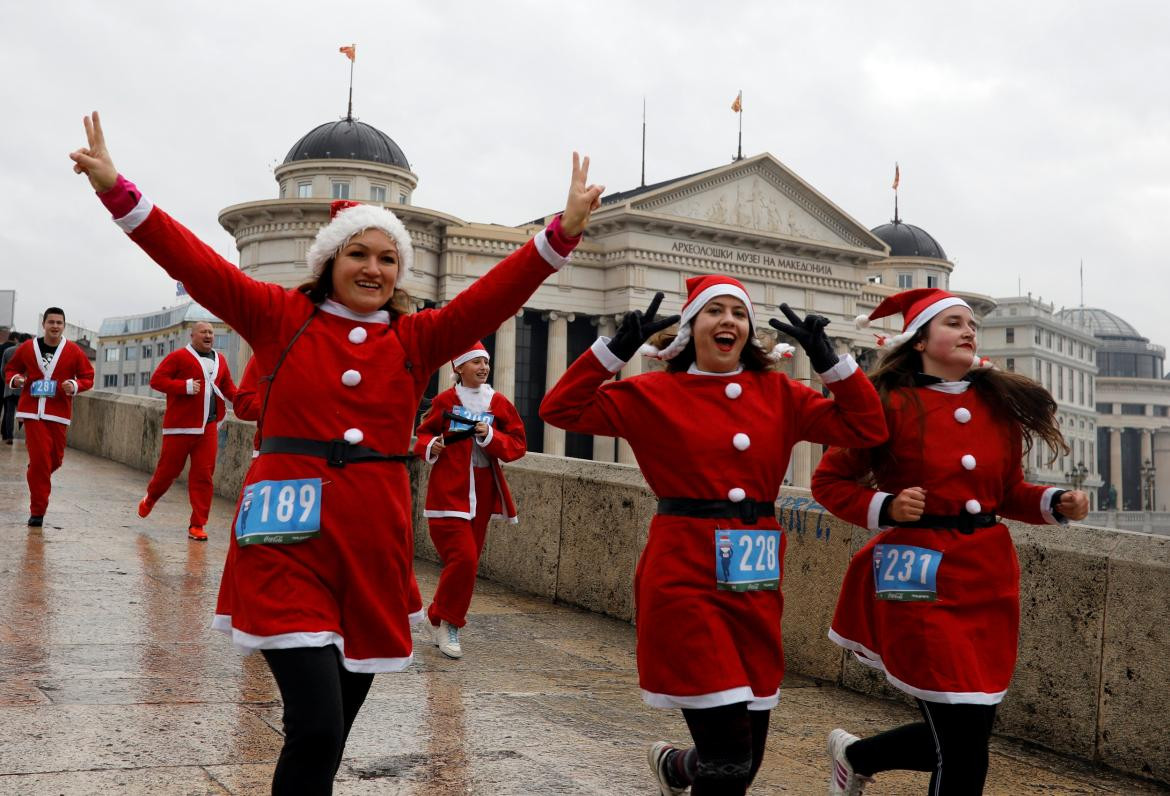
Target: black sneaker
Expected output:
[36,520]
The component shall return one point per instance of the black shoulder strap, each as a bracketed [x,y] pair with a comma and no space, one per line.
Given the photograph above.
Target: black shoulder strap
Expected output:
[271,377]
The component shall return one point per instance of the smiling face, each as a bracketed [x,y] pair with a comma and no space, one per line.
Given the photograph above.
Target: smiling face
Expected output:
[720,331]
[474,372]
[948,350]
[202,337]
[54,326]
[365,271]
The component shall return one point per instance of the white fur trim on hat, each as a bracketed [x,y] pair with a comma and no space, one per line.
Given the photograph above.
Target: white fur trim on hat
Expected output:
[353,221]
[470,355]
[690,310]
[861,321]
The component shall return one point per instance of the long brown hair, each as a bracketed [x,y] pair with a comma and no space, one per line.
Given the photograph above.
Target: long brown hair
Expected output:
[1026,406]
[321,288]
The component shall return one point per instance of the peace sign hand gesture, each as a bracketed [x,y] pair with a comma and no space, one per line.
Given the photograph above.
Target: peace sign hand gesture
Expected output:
[810,333]
[94,160]
[583,198]
[637,327]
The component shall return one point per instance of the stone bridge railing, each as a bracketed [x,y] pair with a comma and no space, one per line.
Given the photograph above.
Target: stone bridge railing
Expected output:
[1093,678]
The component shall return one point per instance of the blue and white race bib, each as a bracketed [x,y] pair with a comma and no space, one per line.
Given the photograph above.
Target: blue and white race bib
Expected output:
[747,560]
[906,573]
[43,388]
[280,512]
[472,419]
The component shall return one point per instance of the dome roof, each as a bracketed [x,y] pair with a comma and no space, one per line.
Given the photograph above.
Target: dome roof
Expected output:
[1101,323]
[907,240]
[347,139]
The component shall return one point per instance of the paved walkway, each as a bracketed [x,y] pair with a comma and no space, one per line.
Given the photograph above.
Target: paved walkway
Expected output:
[111,681]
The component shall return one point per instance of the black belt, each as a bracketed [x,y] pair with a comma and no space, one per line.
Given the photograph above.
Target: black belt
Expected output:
[337,452]
[747,511]
[965,523]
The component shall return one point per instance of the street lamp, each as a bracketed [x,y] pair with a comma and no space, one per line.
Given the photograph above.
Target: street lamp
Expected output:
[1077,475]
[1148,472]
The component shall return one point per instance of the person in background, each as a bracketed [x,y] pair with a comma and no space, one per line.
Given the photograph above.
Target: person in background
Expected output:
[9,395]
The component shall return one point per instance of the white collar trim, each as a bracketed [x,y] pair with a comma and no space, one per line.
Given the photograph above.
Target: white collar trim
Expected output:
[694,371]
[342,311]
[952,387]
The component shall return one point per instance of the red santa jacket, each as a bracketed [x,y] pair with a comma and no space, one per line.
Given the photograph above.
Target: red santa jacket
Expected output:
[68,364]
[176,375]
[950,443]
[451,488]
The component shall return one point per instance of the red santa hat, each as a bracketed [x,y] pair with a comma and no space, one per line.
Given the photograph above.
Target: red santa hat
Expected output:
[917,306]
[475,351]
[700,290]
[347,219]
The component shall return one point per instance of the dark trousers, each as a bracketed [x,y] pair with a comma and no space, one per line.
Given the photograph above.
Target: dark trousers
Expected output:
[8,423]
[729,748]
[321,700]
[951,743]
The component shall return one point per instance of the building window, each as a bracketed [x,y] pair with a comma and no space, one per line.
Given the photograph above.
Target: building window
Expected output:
[144,378]
[113,354]
[282,190]
[1009,334]
[1037,337]
[403,199]
[1048,340]
[377,193]
[172,345]
[162,349]
[874,279]
[1011,364]
[905,281]
[304,190]
[131,352]
[1060,384]
[341,190]
[110,380]
[129,379]
[221,341]
[1060,344]
[147,350]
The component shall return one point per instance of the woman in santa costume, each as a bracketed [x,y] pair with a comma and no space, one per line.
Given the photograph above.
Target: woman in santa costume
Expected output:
[466,486]
[198,385]
[713,434]
[318,571]
[933,600]
[47,371]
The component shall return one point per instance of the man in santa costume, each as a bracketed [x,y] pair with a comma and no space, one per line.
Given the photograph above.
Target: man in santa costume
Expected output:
[48,371]
[466,487]
[197,383]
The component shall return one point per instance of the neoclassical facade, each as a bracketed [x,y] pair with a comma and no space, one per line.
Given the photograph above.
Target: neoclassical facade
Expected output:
[753,219]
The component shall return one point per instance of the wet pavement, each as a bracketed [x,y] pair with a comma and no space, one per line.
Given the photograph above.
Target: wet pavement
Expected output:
[111,680]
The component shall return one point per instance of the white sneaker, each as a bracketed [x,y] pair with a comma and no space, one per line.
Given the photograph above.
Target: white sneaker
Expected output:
[842,780]
[657,758]
[447,639]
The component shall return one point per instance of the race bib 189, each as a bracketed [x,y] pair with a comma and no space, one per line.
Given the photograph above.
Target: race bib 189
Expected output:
[43,388]
[906,573]
[747,560]
[279,512]
[472,419]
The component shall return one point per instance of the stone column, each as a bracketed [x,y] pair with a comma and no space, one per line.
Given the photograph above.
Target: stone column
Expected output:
[558,350]
[504,366]
[603,447]
[1147,456]
[803,462]
[632,368]
[1115,465]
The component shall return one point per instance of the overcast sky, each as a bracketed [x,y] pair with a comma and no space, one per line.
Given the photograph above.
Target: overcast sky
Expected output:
[1030,135]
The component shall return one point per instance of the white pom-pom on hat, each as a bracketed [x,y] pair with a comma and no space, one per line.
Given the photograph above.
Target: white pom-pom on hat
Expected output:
[861,321]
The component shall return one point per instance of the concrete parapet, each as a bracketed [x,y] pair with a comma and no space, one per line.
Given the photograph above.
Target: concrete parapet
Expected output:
[1093,676]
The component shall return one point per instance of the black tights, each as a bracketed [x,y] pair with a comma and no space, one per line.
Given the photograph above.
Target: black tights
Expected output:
[728,750]
[321,700]
[951,742]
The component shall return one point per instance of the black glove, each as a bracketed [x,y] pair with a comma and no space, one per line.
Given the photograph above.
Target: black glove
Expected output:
[810,333]
[636,328]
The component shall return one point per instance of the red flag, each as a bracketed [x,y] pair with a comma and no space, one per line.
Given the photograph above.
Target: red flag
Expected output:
[737,106]
[897,177]
[350,51]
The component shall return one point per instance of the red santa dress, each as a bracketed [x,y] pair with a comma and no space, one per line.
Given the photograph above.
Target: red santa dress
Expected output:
[46,418]
[466,489]
[348,376]
[960,646]
[714,436]
[188,433]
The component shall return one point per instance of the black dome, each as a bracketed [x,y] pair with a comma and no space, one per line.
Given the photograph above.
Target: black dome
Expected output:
[348,139]
[907,240]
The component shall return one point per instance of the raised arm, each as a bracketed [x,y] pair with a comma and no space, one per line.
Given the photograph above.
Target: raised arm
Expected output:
[480,309]
[210,280]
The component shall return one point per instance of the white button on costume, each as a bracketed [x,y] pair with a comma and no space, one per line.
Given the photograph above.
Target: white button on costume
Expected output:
[733,390]
[962,414]
[353,436]
[974,506]
[741,441]
[968,462]
[357,335]
[735,494]
[351,378]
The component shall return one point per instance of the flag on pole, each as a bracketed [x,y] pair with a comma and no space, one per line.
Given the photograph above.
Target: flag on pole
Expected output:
[349,51]
[897,177]
[737,106]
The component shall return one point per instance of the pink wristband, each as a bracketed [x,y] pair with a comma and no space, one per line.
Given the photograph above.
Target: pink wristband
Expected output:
[122,198]
[561,243]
